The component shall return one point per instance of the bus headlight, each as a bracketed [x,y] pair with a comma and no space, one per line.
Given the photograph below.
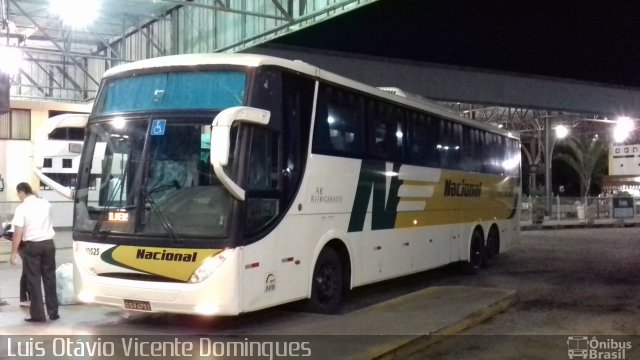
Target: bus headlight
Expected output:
[86,296]
[206,269]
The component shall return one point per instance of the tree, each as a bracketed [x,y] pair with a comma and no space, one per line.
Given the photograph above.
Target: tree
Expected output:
[585,157]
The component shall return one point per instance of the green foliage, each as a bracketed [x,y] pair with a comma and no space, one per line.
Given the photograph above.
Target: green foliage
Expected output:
[585,158]
[539,191]
[538,204]
[623,194]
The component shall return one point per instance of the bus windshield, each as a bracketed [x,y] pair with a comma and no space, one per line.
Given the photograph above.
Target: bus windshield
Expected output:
[150,178]
[204,90]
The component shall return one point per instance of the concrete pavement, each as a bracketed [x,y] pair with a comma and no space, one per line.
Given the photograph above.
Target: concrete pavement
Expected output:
[408,322]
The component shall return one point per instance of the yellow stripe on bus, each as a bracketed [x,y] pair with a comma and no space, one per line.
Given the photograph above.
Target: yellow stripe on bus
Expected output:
[171,263]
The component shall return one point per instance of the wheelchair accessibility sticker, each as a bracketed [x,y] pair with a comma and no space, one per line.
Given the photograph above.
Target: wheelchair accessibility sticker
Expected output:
[158,126]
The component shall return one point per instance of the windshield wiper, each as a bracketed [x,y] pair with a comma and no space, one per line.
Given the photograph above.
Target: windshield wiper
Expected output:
[166,224]
[162,187]
[150,203]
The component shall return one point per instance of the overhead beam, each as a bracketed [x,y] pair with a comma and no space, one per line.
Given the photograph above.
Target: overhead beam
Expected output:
[33,82]
[135,27]
[105,42]
[297,23]
[280,8]
[64,51]
[140,28]
[66,75]
[448,83]
[225,9]
[44,69]
[69,54]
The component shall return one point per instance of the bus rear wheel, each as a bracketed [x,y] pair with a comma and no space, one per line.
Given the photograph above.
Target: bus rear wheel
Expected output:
[327,283]
[476,253]
[492,248]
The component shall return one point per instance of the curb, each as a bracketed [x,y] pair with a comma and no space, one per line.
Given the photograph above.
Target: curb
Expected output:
[421,342]
[575,226]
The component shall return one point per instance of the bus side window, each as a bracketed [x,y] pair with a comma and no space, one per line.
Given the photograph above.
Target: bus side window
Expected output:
[263,181]
[472,150]
[493,164]
[297,105]
[513,155]
[385,131]
[379,125]
[423,140]
[339,121]
[450,141]
[321,142]
[263,160]
[398,134]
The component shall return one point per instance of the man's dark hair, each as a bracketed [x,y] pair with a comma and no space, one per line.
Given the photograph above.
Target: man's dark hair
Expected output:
[25,188]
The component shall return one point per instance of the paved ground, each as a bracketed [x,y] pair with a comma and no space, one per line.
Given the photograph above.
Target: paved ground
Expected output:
[405,313]
[569,282]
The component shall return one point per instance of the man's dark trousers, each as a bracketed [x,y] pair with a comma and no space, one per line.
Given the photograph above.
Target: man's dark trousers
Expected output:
[40,264]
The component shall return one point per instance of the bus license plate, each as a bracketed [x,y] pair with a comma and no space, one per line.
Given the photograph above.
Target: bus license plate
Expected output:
[137,305]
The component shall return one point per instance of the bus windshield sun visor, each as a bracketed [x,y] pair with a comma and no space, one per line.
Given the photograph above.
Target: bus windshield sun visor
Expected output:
[221,141]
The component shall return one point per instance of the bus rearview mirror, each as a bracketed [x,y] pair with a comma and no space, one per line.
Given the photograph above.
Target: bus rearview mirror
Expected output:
[221,128]
[221,140]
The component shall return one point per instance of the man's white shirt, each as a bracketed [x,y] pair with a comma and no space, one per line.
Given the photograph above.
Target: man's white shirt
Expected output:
[33,215]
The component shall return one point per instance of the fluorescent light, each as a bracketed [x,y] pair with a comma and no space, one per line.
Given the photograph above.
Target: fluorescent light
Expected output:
[10,58]
[561,131]
[118,123]
[75,13]
[624,125]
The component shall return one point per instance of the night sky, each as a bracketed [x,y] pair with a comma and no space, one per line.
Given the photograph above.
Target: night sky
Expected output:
[596,41]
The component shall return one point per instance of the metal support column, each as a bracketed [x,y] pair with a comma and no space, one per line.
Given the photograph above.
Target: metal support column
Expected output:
[548,156]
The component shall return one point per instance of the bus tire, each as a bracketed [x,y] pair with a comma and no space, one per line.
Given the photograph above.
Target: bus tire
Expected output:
[327,287]
[476,253]
[492,248]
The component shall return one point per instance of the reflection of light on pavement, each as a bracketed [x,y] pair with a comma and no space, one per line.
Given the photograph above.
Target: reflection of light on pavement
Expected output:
[75,320]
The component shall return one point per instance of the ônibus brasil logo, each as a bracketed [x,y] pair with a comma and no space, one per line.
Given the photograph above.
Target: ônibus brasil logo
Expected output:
[583,347]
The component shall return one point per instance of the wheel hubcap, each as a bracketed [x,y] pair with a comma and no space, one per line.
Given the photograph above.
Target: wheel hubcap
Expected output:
[476,253]
[326,281]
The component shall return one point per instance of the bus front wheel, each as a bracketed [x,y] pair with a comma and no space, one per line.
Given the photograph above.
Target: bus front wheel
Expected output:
[327,283]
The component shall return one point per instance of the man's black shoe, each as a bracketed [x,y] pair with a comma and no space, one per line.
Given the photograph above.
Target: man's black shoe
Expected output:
[34,320]
[54,317]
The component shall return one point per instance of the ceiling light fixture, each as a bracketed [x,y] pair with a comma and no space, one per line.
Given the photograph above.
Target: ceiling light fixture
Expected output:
[10,58]
[75,13]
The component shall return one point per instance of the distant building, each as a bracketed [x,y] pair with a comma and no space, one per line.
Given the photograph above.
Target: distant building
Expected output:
[624,170]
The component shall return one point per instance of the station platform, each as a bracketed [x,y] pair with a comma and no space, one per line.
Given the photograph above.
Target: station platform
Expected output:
[390,329]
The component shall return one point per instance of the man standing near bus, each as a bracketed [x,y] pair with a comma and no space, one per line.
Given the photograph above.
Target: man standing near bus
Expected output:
[33,226]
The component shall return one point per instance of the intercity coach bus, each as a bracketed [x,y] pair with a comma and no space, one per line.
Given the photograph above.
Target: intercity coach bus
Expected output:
[234,182]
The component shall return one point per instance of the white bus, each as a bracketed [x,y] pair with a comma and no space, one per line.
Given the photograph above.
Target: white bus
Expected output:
[57,148]
[310,184]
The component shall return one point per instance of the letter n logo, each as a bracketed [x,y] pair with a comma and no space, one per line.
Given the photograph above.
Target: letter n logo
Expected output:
[374,177]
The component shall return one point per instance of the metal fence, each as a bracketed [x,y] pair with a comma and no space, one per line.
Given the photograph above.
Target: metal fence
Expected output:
[580,209]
